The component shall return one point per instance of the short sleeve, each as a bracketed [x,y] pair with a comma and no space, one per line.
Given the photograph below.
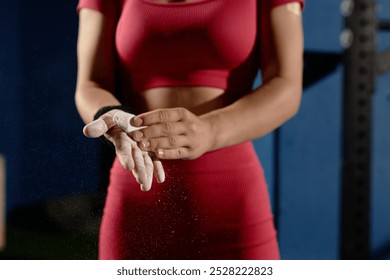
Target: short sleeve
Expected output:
[265,7]
[109,8]
[275,3]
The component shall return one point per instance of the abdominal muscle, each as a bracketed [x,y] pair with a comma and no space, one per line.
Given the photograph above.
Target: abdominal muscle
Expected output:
[198,100]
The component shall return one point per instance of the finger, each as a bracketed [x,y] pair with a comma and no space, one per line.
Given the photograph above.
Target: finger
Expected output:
[100,126]
[122,119]
[159,116]
[159,130]
[149,173]
[166,143]
[179,153]
[158,170]
[139,164]
[123,148]
[95,129]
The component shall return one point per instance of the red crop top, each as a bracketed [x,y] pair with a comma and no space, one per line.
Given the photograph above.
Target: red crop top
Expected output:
[198,43]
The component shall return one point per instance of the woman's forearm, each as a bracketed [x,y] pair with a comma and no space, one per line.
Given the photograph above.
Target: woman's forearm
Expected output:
[96,64]
[90,98]
[256,114]
[278,99]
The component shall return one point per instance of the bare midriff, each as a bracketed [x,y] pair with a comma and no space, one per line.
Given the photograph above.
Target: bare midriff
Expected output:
[198,100]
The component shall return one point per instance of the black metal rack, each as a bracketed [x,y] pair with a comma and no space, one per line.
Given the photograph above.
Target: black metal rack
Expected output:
[362,65]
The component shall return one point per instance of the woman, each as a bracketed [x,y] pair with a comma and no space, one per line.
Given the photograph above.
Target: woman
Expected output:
[187,69]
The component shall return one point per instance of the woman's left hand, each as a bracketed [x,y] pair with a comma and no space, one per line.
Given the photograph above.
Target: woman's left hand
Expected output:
[173,133]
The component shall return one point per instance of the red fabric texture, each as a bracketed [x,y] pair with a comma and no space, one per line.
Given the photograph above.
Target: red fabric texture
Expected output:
[198,43]
[213,207]
[109,8]
[275,3]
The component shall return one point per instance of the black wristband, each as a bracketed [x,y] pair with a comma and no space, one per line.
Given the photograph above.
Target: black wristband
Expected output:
[106,109]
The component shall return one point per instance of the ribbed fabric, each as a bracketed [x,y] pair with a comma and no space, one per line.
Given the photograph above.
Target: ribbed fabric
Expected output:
[198,43]
[275,3]
[109,8]
[213,207]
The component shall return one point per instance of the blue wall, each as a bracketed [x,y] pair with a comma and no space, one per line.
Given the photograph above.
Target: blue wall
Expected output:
[47,156]
[310,149]
[11,96]
[310,152]
[46,153]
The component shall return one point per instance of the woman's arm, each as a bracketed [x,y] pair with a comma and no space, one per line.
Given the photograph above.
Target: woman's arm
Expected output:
[278,98]
[96,64]
[95,85]
[177,133]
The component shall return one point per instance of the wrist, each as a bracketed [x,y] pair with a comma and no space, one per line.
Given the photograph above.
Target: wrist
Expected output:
[211,120]
[106,109]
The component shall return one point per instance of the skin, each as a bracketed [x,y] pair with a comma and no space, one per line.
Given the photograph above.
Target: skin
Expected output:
[115,125]
[186,122]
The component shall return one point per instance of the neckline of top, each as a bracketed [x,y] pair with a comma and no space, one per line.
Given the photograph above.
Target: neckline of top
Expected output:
[176,4]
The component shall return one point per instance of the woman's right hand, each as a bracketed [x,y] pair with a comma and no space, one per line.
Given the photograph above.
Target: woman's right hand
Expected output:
[115,126]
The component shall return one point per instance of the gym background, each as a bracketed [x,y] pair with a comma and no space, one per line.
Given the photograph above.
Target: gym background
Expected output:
[328,169]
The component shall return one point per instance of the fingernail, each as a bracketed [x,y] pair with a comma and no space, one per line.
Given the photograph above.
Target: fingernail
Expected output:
[136,121]
[161,178]
[145,144]
[137,135]
[95,130]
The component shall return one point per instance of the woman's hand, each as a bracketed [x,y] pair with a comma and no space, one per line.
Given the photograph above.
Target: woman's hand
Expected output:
[115,126]
[173,133]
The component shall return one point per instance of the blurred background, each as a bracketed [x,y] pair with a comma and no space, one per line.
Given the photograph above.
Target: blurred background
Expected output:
[329,202]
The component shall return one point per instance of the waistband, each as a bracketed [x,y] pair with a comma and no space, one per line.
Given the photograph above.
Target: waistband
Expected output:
[234,158]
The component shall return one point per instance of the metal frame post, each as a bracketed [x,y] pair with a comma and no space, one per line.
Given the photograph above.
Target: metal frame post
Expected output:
[359,40]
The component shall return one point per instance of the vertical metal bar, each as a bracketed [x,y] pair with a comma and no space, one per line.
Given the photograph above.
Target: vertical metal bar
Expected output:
[359,81]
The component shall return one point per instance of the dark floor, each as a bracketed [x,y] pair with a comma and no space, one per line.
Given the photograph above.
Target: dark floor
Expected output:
[59,229]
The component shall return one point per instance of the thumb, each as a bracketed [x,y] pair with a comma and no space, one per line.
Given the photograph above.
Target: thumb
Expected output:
[95,129]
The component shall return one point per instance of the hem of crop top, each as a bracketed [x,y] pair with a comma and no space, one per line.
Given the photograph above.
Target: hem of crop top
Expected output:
[176,4]
[199,79]
[195,2]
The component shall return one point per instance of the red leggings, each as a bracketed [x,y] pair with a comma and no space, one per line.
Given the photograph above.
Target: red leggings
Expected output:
[213,207]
